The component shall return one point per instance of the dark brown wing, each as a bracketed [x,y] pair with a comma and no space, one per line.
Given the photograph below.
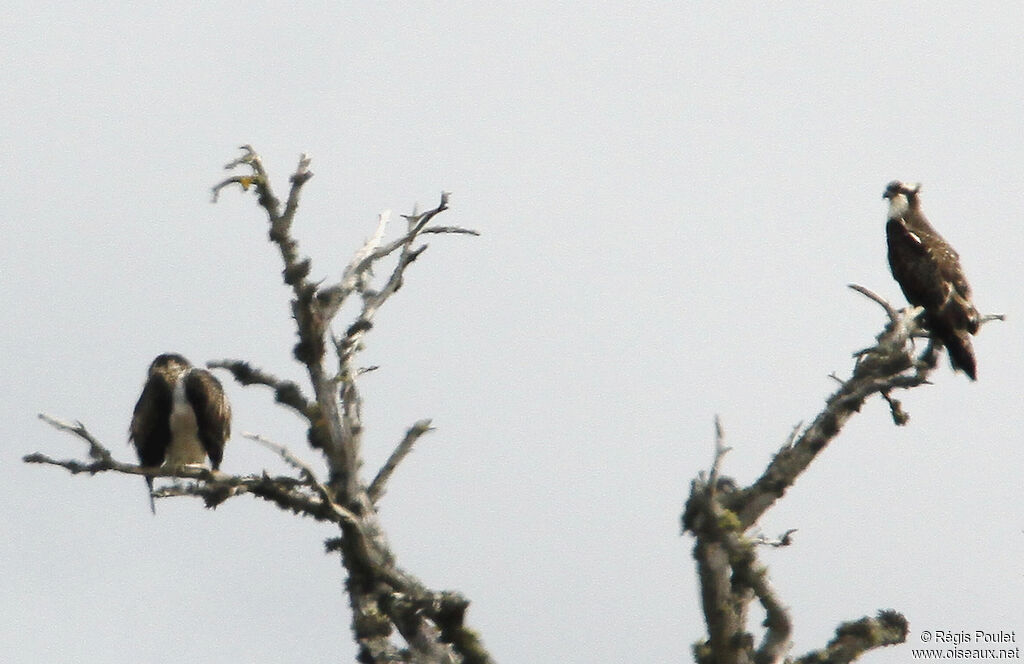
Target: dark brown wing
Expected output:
[949,266]
[959,309]
[956,307]
[150,430]
[944,256]
[213,412]
[928,271]
[913,267]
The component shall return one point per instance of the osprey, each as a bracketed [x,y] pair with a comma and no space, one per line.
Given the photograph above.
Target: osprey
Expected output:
[929,273]
[181,418]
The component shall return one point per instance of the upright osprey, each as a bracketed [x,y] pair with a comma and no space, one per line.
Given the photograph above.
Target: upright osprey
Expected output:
[928,270]
[181,418]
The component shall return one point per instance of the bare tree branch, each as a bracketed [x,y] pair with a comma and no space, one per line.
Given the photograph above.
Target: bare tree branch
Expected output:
[854,638]
[308,476]
[882,302]
[449,230]
[96,450]
[286,392]
[382,596]
[213,486]
[718,514]
[887,366]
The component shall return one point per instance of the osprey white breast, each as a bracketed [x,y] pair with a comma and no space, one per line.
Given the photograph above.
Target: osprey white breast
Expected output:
[185,447]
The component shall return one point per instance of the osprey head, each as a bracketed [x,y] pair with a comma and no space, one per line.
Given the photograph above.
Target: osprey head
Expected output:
[895,188]
[901,197]
[170,365]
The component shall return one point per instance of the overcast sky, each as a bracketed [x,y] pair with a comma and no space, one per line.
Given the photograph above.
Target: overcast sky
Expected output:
[671,203]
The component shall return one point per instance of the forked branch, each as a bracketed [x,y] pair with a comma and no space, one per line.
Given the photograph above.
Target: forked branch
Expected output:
[719,515]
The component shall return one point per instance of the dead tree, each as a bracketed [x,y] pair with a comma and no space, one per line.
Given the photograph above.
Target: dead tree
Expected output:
[385,598]
[719,514]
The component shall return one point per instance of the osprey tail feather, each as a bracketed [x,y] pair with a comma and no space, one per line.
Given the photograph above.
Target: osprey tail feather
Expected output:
[149,490]
[961,350]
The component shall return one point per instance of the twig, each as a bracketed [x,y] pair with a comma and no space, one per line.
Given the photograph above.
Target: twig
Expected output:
[452,230]
[363,258]
[96,450]
[785,539]
[791,438]
[889,310]
[308,475]
[295,462]
[720,451]
[376,489]
[354,277]
[248,157]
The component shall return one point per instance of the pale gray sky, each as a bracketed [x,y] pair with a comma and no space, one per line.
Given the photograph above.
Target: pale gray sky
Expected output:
[672,202]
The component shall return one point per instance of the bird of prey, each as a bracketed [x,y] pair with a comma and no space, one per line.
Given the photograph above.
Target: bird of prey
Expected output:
[928,271]
[181,418]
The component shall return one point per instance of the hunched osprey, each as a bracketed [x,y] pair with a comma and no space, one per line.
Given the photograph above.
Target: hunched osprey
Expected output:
[929,273]
[181,418]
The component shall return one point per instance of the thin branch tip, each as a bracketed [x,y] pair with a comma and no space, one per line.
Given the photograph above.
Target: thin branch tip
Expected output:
[878,299]
[376,488]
